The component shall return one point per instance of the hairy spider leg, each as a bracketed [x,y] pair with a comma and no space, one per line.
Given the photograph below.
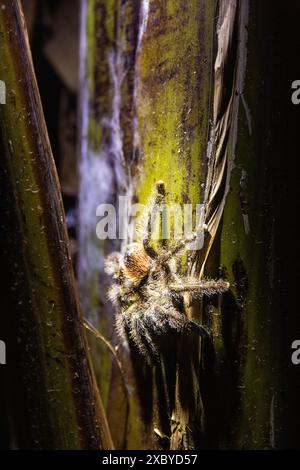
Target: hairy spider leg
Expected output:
[158,318]
[119,295]
[179,247]
[202,287]
[176,321]
[146,342]
[135,329]
[198,329]
[156,201]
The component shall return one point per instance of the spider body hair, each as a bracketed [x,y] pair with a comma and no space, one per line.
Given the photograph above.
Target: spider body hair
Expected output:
[148,291]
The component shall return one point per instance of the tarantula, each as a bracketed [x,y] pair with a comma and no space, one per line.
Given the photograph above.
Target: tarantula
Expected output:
[149,291]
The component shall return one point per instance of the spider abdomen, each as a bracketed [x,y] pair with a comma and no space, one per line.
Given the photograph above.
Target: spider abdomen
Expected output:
[136,263]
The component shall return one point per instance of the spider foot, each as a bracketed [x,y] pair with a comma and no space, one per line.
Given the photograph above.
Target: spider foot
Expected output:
[201,330]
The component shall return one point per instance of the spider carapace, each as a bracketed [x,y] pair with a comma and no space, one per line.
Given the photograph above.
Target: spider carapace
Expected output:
[148,290]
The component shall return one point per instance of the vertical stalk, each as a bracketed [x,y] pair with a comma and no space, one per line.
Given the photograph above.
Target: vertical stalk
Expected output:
[108,46]
[254,244]
[52,390]
[173,107]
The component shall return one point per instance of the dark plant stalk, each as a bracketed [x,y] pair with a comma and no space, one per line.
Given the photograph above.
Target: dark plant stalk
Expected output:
[53,397]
